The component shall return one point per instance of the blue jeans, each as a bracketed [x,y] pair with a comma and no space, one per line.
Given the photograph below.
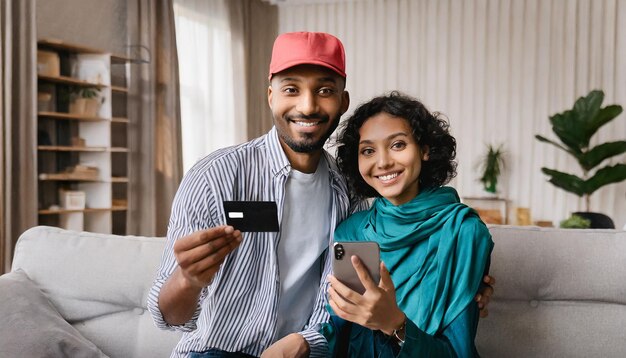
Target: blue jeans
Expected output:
[218,353]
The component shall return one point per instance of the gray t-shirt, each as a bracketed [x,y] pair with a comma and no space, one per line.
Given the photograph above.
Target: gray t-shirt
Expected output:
[304,235]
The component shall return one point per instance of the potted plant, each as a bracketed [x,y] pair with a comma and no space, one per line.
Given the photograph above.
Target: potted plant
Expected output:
[574,128]
[491,167]
[85,101]
[575,222]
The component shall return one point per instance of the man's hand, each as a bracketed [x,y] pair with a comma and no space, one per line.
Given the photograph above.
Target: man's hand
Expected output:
[199,256]
[484,295]
[291,346]
[376,309]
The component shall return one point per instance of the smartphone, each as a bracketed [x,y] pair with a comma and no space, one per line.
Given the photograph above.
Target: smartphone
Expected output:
[252,216]
[367,251]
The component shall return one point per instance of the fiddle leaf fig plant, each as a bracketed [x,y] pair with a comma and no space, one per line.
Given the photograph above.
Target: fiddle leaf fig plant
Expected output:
[574,128]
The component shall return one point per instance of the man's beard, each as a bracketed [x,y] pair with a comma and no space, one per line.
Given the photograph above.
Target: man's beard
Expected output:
[308,144]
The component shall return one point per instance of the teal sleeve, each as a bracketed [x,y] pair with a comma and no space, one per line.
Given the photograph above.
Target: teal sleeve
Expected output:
[337,333]
[457,340]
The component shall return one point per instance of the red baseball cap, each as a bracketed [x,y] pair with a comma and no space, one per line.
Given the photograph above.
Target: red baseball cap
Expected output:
[314,48]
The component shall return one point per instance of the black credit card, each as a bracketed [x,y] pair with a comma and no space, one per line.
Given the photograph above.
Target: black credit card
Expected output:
[252,216]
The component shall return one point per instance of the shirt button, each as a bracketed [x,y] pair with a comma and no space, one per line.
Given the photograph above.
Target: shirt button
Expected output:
[534,303]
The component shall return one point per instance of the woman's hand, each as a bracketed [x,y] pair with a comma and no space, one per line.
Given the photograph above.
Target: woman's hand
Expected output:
[484,295]
[376,309]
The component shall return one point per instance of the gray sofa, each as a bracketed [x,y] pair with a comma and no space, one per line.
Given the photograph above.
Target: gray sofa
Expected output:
[98,283]
[560,293]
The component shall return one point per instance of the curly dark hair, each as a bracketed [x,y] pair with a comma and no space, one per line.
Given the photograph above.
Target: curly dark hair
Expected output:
[430,130]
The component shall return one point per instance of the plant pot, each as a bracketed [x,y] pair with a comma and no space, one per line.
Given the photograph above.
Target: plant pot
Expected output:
[92,106]
[77,106]
[488,194]
[598,220]
[85,107]
[44,102]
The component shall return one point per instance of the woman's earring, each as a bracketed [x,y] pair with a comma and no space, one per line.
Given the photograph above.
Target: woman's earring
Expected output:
[425,153]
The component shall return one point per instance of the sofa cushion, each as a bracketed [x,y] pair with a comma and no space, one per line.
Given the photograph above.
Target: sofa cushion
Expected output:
[559,293]
[32,327]
[99,283]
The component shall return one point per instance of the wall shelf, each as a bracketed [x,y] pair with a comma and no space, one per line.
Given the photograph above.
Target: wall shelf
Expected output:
[58,45]
[86,210]
[66,177]
[70,116]
[70,81]
[119,89]
[120,59]
[54,148]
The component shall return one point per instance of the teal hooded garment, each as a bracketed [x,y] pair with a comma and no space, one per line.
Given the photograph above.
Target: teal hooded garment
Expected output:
[436,249]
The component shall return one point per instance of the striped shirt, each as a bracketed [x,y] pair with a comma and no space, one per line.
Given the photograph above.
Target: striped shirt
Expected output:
[237,312]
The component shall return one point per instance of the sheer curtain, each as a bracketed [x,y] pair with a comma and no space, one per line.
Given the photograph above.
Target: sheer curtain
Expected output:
[223,50]
[497,68]
[212,81]
[18,171]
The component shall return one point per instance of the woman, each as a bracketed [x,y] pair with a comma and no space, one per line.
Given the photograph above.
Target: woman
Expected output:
[434,250]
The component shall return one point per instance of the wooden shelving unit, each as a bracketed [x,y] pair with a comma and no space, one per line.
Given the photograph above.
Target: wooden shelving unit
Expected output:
[92,135]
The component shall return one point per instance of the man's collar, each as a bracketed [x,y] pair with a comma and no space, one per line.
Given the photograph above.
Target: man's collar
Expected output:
[279,162]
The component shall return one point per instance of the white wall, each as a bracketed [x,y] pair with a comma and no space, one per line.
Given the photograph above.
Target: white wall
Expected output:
[93,23]
[497,68]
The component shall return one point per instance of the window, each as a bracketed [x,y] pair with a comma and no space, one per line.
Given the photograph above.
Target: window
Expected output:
[212,89]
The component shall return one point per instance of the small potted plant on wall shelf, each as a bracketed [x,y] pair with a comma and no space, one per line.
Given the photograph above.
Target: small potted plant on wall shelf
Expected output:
[574,128]
[85,101]
[491,167]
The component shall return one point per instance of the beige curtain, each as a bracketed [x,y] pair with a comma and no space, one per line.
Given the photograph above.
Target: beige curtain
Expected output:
[18,164]
[154,111]
[260,28]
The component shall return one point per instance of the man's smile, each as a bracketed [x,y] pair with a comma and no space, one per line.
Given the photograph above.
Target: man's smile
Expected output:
[306,124]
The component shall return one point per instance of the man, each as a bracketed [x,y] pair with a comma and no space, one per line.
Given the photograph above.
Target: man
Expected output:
[245,293]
